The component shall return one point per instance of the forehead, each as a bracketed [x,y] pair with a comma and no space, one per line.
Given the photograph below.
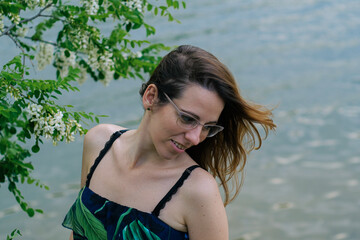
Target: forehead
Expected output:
[202,102]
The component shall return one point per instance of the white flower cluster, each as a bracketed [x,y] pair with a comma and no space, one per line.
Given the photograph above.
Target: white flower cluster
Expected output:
[44,55]
[52,126]
[35,3]
[82,75]
[21,32]
[102,63]
[91,6]
[63,63]
[14,92]
[80,39]
[107,67]
[98,62]
[14,18]
[135,5]
[132,55]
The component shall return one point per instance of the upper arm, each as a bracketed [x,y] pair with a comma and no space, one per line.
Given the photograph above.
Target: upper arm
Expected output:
[94,142]
[205,213]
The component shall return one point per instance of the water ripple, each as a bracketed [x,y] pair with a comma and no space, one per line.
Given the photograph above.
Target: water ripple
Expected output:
[332,195]
[324,165]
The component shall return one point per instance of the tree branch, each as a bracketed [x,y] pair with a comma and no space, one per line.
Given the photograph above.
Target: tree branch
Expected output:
[26,20]
[44,41]
[19,46]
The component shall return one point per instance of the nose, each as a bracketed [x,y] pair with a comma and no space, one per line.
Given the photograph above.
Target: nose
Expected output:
[194,135]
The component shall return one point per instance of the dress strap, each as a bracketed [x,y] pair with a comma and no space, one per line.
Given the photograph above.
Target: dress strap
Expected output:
[173,190]
[102,153]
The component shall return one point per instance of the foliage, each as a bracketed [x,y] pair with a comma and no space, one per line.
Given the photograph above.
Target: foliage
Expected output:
[79,49]
[80,42]
[27,109]
[13,234]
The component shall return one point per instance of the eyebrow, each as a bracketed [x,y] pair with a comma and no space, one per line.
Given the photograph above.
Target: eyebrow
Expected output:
[196,116]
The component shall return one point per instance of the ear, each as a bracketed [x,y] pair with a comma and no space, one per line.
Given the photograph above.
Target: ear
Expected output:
[150,96]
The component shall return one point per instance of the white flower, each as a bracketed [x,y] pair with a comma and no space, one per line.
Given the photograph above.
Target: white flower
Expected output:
[52,126]
[105,4]
[82,75]
[80,39]
[63,63]
[58,117]
[14,18]
[49,129]
[60,127]
[91,6]
[135,5]
[45,55]
[34,110]
[70,138]
[93,58]
[107,67]
[102,63]
[35,3]
[21,32]
[138,54]
[42,3]
[109,75]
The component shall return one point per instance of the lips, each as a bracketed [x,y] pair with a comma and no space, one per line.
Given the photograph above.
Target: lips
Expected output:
[178,145]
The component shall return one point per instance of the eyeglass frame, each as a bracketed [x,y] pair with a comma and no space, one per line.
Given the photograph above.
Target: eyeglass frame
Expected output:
[179,112]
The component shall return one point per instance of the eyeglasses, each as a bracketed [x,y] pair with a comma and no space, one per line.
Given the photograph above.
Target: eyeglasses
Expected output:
[186,121]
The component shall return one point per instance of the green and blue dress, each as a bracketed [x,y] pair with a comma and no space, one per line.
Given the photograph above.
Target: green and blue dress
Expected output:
[95,217]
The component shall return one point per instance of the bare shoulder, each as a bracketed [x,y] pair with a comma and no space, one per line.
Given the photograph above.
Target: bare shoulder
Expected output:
[202,186]
[205,214]
[94,142]
[100,133]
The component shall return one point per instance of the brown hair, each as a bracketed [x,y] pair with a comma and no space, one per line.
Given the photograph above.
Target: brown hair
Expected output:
[223,155]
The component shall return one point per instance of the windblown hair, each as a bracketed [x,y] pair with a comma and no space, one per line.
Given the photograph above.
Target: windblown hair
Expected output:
[225,154]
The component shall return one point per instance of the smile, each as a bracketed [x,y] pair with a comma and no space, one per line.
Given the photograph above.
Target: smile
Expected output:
[178,145]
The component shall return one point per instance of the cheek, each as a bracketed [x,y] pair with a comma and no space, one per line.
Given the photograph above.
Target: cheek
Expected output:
[162,125]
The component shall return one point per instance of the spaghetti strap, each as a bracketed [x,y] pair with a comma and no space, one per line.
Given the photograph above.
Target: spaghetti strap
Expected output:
[102,153]
[173,190]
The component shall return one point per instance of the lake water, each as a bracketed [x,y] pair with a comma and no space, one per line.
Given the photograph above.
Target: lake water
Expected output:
[301,56]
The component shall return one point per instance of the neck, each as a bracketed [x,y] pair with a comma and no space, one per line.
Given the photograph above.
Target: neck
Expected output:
[141,149]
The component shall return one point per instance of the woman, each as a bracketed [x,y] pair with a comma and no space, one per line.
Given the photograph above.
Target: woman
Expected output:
[158,181]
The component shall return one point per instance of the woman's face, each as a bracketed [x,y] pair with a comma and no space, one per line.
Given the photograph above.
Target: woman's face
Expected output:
[168,137]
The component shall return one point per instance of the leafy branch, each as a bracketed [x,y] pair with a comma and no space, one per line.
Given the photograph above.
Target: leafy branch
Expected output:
[29,112]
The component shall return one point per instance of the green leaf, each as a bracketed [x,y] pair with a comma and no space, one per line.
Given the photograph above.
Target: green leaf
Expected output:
[169,2]
[35,148]
[23,206]
[14,233]
[156,11]
[170,18]
[30,181]
[149,7]
[13,130]
[30,212]
[39,210]
[37,93]
[67,53]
